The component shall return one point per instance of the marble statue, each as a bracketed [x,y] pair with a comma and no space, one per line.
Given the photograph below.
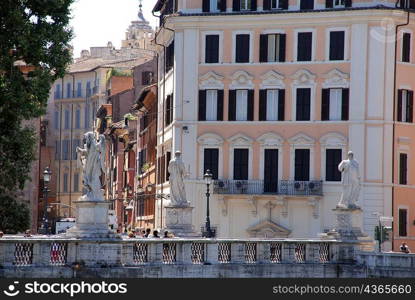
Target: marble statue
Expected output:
[177,172]
[91,158]
[350,182]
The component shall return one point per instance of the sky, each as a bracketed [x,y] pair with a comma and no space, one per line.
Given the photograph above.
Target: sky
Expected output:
[96,22]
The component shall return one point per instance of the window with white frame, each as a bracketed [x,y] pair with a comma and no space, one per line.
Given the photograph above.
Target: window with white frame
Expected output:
[213,5]
[335,104]
[275,4]
[405,106]
[211,105]
[245,4]
[338,3]
[272,105]
[335,109]
[241,105]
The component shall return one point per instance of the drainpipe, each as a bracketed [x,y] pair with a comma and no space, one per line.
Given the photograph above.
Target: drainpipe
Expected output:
[163,117]
[71,147]
[394,114]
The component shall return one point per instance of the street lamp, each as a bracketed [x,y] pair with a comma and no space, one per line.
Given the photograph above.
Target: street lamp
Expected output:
[47,174]
[208,232]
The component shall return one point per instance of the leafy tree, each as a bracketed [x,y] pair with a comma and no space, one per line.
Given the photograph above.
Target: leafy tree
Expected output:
[34,52]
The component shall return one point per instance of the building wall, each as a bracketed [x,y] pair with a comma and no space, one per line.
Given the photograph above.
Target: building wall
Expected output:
[367,71]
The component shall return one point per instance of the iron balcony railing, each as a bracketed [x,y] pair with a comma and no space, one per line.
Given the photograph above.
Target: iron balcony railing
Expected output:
[260,187]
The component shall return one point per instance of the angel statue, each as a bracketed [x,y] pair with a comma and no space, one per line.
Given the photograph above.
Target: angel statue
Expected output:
[91,158]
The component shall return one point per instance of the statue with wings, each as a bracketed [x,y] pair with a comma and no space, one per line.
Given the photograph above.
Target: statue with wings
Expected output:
[92,159]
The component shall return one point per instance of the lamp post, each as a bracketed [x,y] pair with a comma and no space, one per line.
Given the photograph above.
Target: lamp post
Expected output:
[47,174]
[208,232]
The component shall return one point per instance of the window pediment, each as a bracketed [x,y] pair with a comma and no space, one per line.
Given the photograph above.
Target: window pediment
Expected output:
[301,139]
[211,80]
[240,140]
[336,78]
[333,139]
[270,139]
[303,77]
[210,139]
[241,80]
[268,229]
[272,79]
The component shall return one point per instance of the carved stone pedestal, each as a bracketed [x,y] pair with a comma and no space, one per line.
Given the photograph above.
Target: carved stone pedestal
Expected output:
[91,220]
[179,221]
[348,230]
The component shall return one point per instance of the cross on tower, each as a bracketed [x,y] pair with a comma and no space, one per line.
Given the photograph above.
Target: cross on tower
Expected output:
[141,5]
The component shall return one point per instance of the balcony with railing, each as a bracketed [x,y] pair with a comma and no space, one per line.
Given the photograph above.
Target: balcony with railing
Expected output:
[260,187]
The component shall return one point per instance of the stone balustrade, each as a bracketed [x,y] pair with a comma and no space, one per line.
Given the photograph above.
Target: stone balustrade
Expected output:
[57,251]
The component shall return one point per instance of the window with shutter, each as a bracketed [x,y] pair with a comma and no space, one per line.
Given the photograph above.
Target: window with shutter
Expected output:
[240,164]
[272,105]
[302,165]
[333,159]
[211,161]
[65,182]
[56,120]
[303,104]
[78,118]
[304,46]
[335,105]
[68,90]
[219,116]
[403,221]
[403,168]
[76,182]
[405,106]
[211,105]
[272,47]
[232,105]
[241,113]
[242,48]
[202,105]
[406,47]
[336,45]
[212,49]
[306,4]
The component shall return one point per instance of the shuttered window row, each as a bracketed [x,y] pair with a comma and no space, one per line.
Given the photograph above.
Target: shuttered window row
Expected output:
[301,165]
[335,105]
[252,5]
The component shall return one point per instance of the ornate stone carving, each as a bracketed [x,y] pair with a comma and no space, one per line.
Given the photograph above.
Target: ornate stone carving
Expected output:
[270,139]
[240,140]
[254,205]
[336,78]
[241,80]
[223,203]
[315,206]
[283,204]
[301,139]
[211,80]
[272,80]
[210,139]
[333,139]
[268,229]
[303,77]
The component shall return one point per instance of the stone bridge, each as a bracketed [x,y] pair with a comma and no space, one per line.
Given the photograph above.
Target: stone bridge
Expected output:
[57,257]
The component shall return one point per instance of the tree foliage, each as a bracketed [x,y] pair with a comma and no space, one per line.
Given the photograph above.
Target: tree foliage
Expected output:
[33,33]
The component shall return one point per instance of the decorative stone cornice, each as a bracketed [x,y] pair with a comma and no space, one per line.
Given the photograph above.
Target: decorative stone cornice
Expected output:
[272,80]
[301,139]
[270,139]
[333,139]
[336,78]
[211,80]
[210,139]
[303,77]
[240,140]
[241,80]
